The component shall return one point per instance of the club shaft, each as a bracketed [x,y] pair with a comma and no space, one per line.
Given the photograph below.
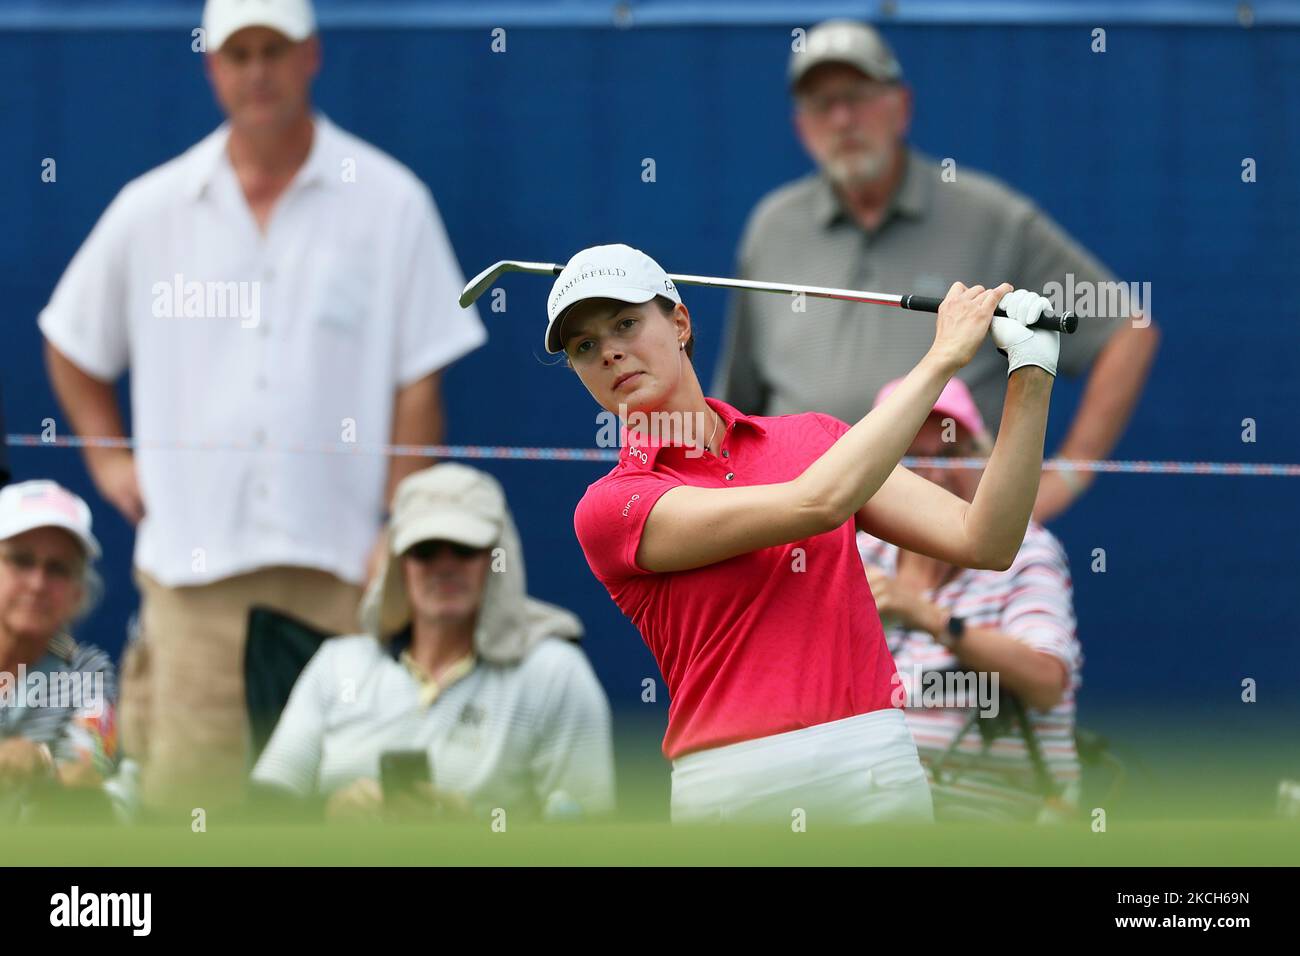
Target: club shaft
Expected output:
[1066,323]
[782,288]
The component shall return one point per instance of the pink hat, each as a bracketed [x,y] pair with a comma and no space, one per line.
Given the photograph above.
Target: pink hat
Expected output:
[955,401]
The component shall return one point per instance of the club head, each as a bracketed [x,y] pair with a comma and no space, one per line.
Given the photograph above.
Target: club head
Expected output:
[488,277]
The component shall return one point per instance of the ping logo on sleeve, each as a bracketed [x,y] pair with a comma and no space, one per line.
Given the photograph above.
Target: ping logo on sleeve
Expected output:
[628,507]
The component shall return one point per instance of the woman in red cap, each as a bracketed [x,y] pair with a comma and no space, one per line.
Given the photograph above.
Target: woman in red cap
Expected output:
[728,540]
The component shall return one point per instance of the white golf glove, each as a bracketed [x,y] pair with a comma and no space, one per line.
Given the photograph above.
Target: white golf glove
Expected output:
[1020,344]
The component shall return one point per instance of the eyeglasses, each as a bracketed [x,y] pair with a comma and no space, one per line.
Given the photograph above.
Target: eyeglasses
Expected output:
[24,561]
[854,97]
[432,549]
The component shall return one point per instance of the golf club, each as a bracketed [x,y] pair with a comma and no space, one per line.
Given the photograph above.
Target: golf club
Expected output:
[1066,323]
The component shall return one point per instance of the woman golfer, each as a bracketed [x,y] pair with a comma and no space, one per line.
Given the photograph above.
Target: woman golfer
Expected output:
[729,541]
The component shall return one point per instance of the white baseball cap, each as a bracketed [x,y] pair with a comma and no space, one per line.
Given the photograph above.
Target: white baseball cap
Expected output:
[605,272]
[223,18]
[45,504]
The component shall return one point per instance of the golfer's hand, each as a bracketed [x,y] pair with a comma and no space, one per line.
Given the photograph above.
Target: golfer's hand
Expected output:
[1022,345]
[964,318]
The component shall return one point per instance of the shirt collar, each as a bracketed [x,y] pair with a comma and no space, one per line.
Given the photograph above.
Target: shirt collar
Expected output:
[210,155]
[62,647]
[911,199]
[430,689]
[640,452]
[59,655]
[399,649]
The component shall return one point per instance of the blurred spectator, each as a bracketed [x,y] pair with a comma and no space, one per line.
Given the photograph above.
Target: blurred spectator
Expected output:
[281,285]
[4,450]
[1017,623]
[56,695]
[458,661]
[879,215]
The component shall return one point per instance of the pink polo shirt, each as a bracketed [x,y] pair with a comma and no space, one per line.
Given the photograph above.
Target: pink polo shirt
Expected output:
[766,642]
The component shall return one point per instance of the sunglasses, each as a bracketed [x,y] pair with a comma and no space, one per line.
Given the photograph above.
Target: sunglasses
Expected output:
[429,550]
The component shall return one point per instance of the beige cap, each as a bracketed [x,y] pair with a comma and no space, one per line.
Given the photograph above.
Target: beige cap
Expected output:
[455,502]
[845,41]
[447,502]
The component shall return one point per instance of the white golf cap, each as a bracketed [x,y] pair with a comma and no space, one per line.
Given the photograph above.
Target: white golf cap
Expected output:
[447,502]
[223,18]
[45,504]
[845,41]
[605,272]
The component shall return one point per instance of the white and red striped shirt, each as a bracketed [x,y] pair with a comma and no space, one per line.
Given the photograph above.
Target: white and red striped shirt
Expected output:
[1032,601]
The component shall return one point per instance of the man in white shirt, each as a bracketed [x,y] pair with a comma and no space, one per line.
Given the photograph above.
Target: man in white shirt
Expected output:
[279,291]
[458,661]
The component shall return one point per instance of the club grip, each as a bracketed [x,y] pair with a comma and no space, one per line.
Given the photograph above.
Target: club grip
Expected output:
[1066,323]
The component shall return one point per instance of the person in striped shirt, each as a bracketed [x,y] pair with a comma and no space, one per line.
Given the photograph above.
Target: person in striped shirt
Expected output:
[1017,624]
[57,696]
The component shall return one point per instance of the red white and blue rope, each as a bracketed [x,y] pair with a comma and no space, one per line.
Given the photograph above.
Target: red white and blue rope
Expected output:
[534,453]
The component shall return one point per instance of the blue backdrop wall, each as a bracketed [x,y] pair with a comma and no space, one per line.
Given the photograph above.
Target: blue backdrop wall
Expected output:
[536,152]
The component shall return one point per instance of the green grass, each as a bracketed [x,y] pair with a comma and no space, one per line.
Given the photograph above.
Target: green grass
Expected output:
[1146,843]
[1194,796]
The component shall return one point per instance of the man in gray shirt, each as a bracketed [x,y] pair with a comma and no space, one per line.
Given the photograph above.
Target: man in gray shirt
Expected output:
[879,215]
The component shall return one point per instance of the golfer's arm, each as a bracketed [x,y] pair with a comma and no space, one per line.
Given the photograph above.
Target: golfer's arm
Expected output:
[999,515]
[918,515]
[692,527]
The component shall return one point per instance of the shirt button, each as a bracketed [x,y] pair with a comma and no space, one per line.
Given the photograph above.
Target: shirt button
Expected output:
[259,436]
[260,382]
[725,453]
[730,475]
[268,275]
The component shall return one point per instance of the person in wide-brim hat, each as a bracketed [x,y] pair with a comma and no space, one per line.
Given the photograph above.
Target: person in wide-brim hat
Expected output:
[458,660]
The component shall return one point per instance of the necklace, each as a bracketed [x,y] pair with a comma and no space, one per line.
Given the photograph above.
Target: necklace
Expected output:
[708,445]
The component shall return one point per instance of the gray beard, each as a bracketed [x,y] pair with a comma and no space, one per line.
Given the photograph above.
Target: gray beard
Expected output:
[860,170]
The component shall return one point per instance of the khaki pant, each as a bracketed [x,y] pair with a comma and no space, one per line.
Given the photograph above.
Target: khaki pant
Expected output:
[183,712]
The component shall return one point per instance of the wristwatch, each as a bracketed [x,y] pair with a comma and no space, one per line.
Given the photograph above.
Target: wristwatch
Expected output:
[956,630]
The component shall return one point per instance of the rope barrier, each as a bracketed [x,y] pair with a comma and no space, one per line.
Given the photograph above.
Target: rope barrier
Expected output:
[532,453]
